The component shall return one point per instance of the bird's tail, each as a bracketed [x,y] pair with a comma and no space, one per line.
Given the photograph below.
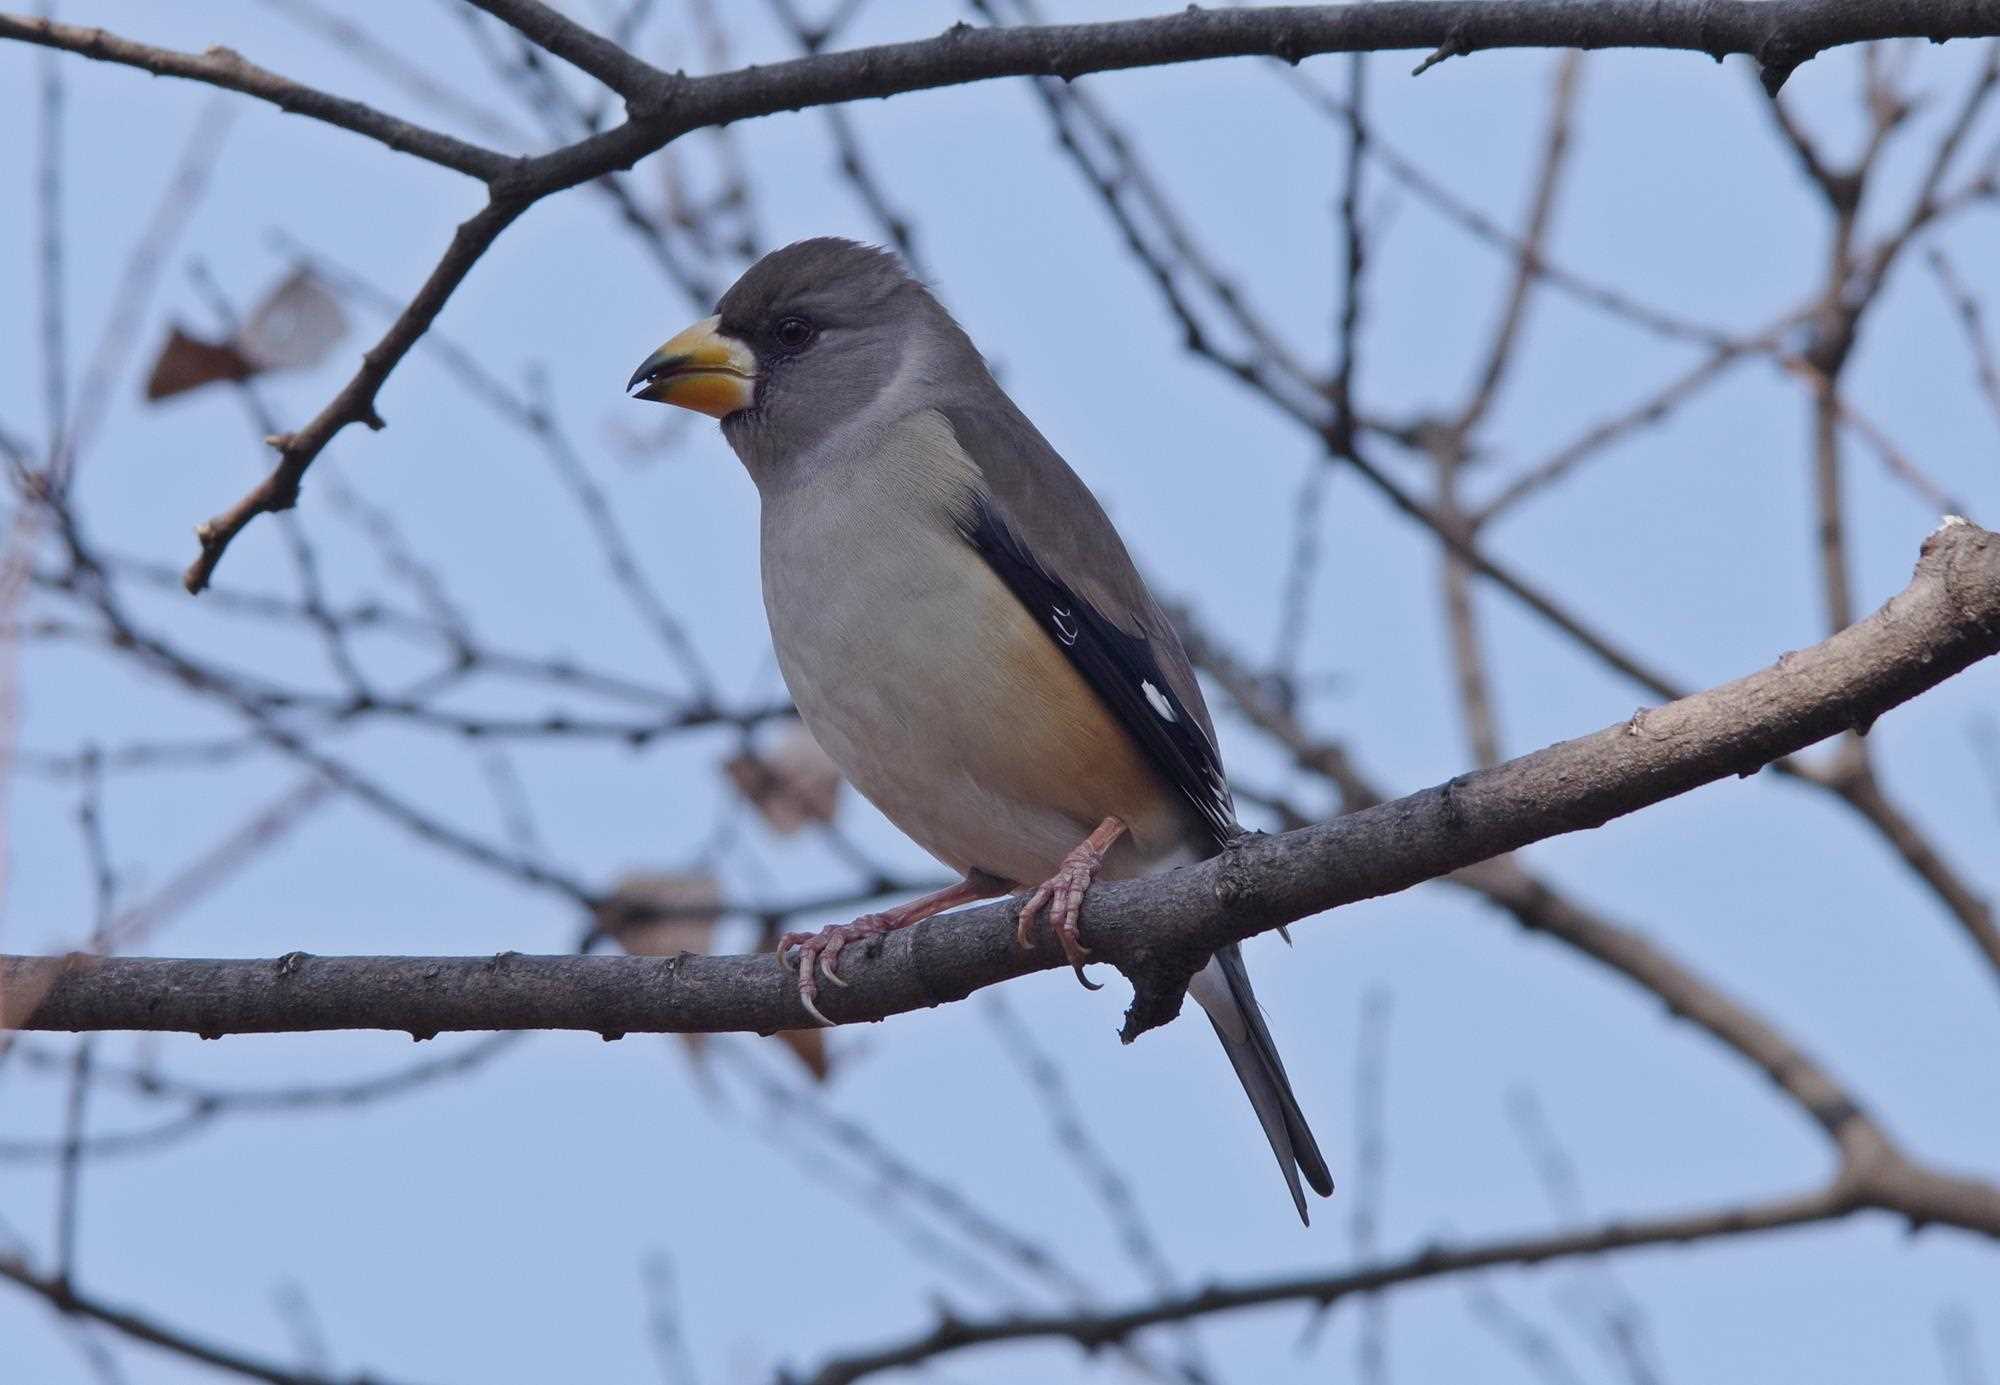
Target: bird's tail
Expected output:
[1223,989]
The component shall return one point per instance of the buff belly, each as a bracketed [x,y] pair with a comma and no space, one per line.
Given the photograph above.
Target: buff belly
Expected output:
[940,699]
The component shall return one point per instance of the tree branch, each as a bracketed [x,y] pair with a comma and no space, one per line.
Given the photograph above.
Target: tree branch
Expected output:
[61,1295]
[575,44]
[356,401]
[1157,931]
[230,70]
[1893,1184]
[1779,34]
[1537,904]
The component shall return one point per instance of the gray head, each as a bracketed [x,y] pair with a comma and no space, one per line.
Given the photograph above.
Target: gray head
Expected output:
[804,342]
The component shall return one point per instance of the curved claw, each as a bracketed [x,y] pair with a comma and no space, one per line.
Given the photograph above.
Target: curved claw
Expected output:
[1031,909]
[1024,922]
[811,954]
[1067,899]
[806,999]
[1064,924]
[819,953]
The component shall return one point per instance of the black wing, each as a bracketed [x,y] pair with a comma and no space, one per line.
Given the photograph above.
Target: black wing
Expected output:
[1121,667]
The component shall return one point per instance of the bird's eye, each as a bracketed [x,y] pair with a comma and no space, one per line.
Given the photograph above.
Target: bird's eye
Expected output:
[793,332]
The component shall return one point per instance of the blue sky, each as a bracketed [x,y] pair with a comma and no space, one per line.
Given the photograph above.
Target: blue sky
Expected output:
[495,1228]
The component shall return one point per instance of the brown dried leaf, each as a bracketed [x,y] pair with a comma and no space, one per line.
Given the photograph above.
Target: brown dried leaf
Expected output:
[186,363]
[293,327]
[792,784]
[662,913]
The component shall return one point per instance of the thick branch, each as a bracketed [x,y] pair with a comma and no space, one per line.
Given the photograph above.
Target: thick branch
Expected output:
[1156,931]
[1779,34]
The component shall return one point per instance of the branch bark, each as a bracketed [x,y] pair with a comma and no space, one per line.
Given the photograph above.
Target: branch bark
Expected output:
[1156,931]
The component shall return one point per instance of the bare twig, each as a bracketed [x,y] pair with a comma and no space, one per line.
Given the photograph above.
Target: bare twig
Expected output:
[1099,1171]
[1536,1348]
[1958,1344]
[140,1327]
[387,60]
[939,1200]
[308,1332]
[854,164]
[1371,1170]
[222,67]
[663,1321]
[69,1171]
[262,829]
[1652,409]
[207,1105]
[1296,594]
[1895,1186]
[356,401]
[1438,195]
[1972,317]
[1500,350]
[1619,1319]
[49,249]
[1452,443]
[142,271]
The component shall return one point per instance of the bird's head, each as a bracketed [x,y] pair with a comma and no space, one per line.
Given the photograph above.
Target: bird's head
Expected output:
[807,338]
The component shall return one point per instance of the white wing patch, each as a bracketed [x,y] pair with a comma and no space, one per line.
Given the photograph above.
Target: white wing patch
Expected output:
[1066,628]
[1159,703]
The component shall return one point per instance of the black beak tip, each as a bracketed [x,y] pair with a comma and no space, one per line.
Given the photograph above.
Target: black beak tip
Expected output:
[642,376]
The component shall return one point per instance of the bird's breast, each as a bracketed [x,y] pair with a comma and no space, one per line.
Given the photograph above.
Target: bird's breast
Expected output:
[934,691]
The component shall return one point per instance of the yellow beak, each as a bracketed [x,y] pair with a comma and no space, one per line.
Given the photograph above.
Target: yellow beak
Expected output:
[701,369]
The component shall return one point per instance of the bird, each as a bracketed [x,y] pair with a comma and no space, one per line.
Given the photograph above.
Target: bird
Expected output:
[960,626]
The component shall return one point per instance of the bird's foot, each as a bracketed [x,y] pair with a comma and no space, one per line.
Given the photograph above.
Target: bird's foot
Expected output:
[819,952]
[1061,895]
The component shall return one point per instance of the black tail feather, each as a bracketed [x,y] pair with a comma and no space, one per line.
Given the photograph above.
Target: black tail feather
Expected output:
[1239,1023]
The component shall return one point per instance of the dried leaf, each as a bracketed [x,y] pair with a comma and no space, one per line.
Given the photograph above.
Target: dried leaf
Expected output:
[792,784]
[810,1046]
[662,913]
[18,1004]
[666,913]
[295,327]
[186,363]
